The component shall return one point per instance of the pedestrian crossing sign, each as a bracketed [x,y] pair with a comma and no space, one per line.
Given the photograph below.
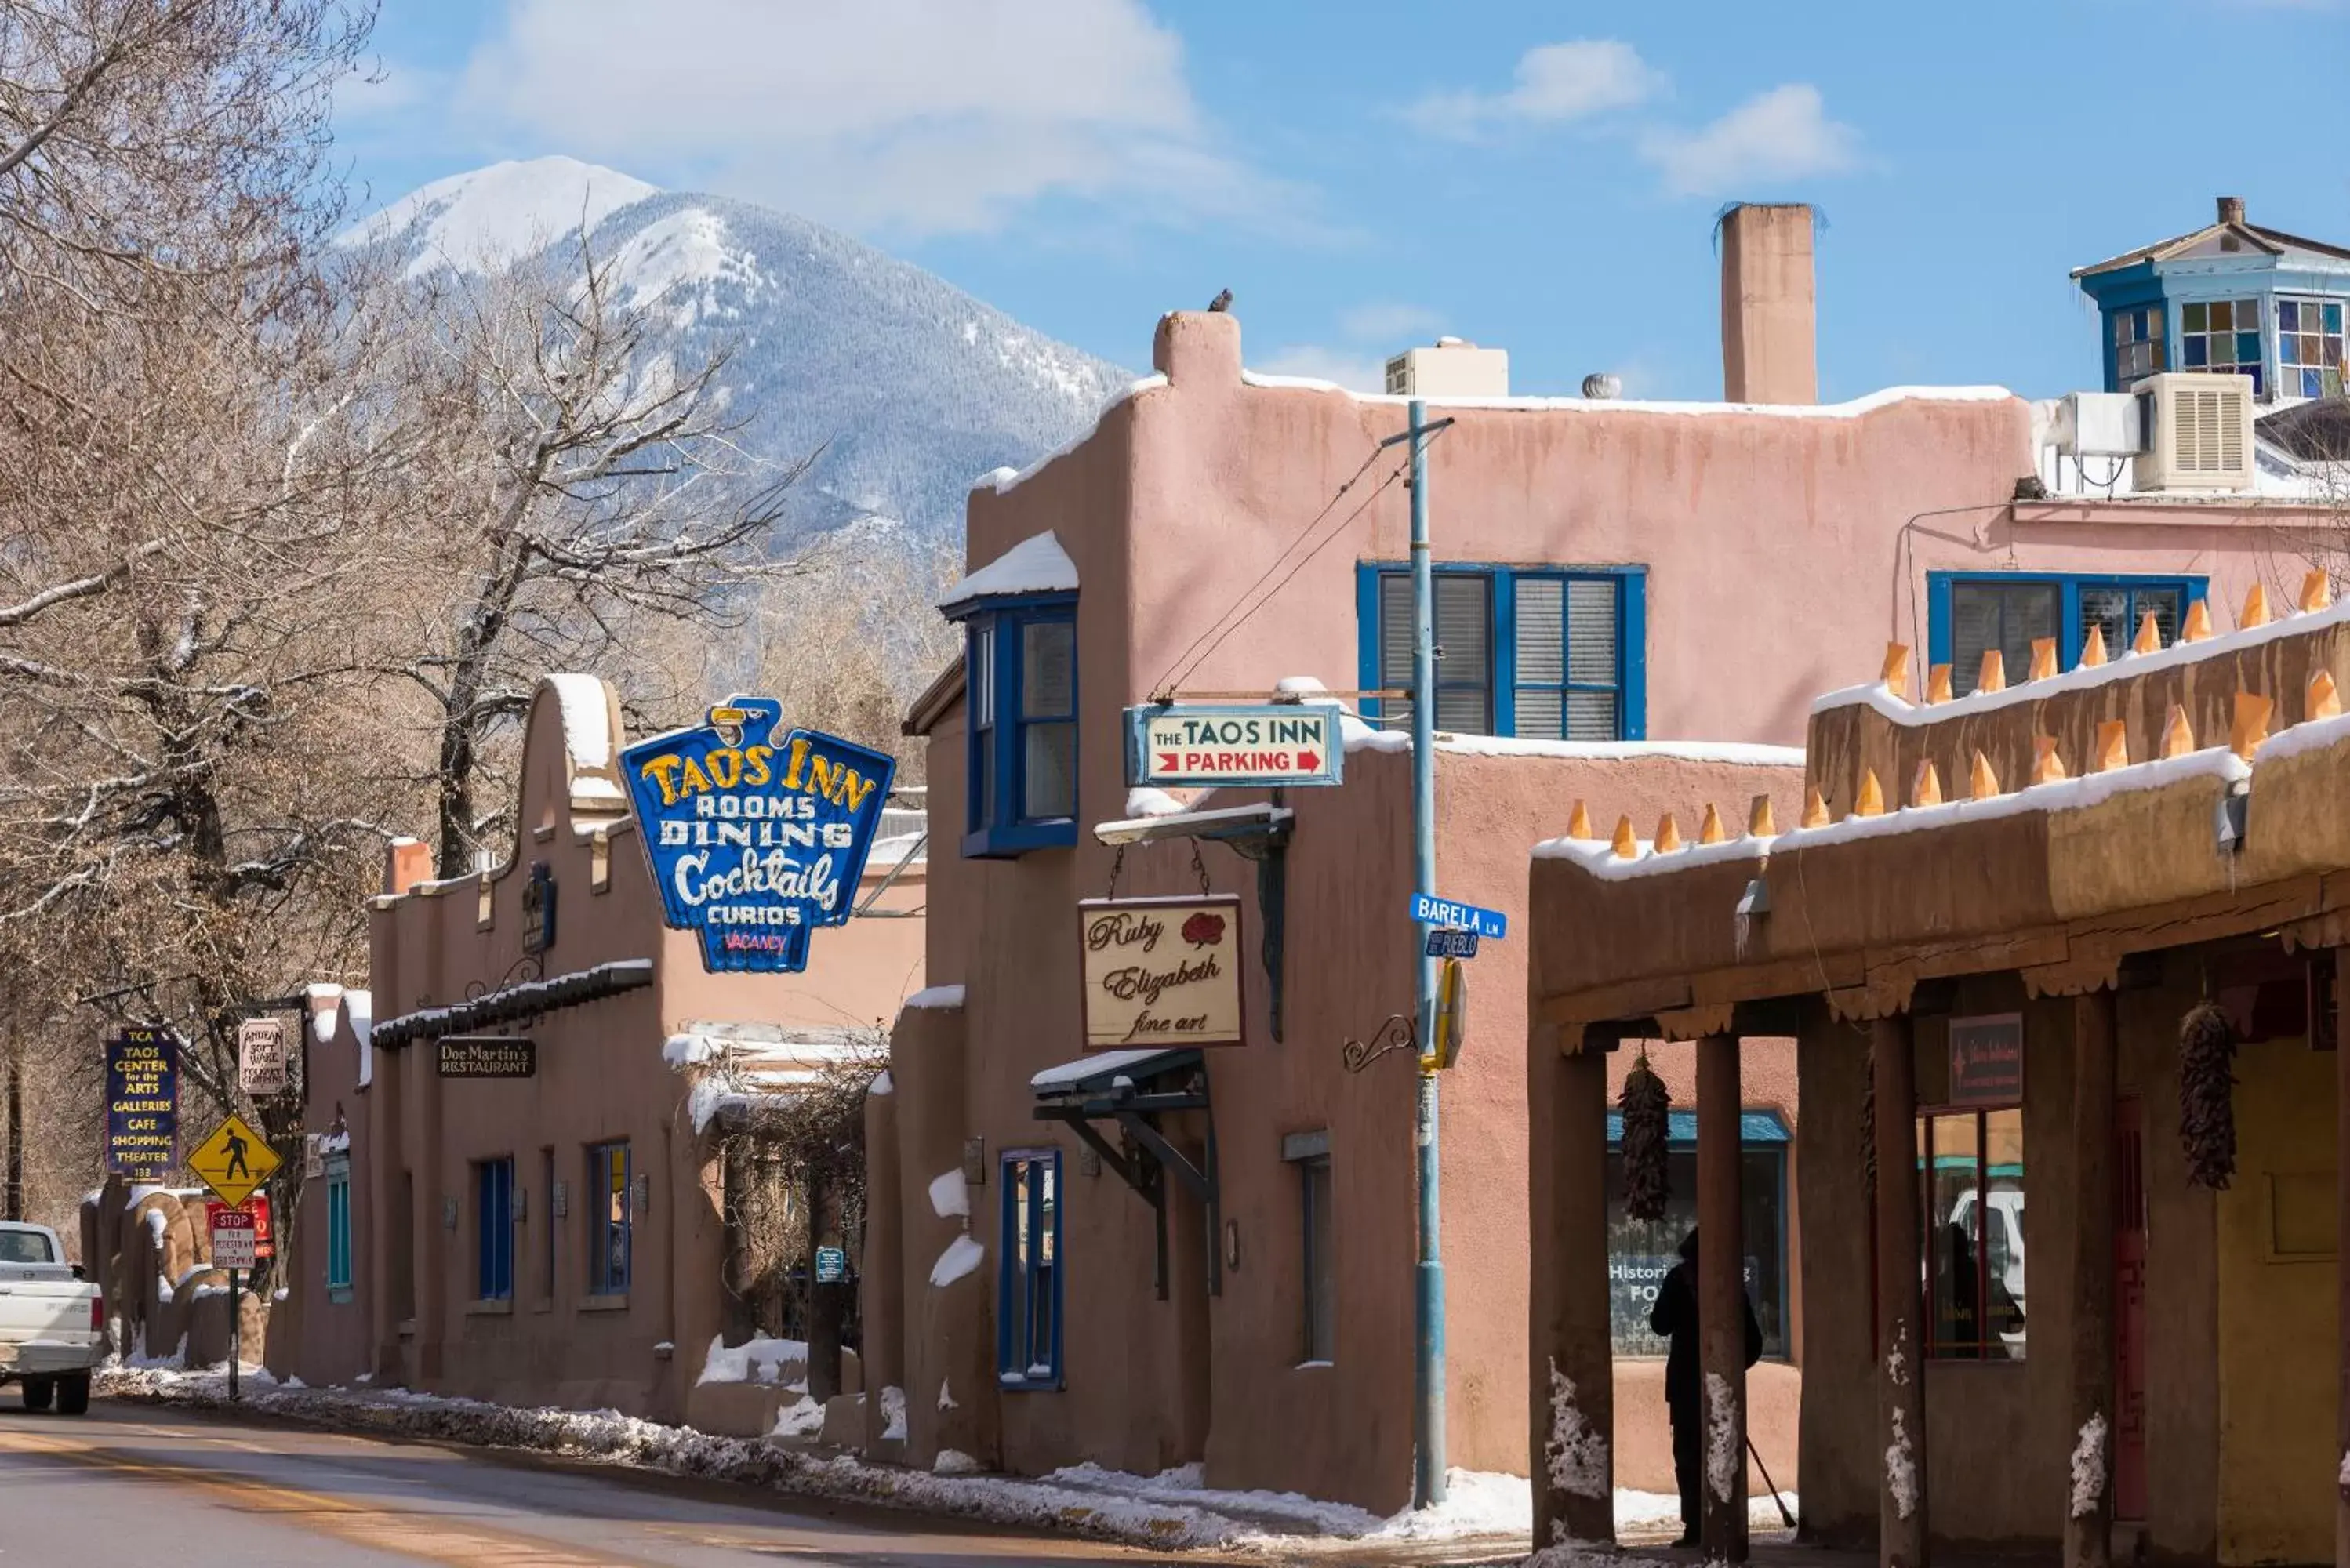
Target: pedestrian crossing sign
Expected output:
[233,1161]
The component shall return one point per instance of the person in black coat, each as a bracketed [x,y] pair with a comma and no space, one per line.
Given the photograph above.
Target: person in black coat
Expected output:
[1674,1318]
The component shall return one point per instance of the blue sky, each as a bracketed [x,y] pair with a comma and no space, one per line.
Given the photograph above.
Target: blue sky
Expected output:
[1539,176]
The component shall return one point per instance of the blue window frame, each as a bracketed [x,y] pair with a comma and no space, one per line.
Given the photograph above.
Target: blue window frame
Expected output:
[2137,351]
[494,1230]
[338,1230]
[609,1230]
[1538,652]
[1969,612]
[1020,684]
[1028,1286]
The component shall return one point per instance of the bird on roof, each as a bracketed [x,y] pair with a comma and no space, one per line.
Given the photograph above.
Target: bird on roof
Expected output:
[1222,303]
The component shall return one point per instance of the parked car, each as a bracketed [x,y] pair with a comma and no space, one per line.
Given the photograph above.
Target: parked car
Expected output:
[52,1321]
[2003,1242]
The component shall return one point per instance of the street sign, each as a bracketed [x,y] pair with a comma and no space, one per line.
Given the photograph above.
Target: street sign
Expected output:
[1430,909]
[831,1265]
[233,1161]
[1450,943]
[1270,743]
[237,1237]
[261,1056]
[485,1056]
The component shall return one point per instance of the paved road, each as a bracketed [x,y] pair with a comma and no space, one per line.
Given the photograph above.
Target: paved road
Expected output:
[141,1485]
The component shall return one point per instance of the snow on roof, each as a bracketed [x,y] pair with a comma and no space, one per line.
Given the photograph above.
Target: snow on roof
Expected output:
[1855,408]
[586,718]
[1001,480]
[2122,666]
[489,218]
[1599,858]
[1037,565]
[1363,737]
[938,996]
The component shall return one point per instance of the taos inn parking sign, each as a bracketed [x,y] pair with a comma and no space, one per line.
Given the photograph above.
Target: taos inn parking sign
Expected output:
[1200,744]
[755,836]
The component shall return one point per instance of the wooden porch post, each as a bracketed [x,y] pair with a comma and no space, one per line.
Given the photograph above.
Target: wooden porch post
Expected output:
[1900,1354]
[2089,1508]
[1722,1297]
[2341,1248]
[1574,1389]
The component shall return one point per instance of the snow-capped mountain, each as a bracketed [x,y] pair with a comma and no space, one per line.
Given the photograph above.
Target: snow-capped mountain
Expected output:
[911,386]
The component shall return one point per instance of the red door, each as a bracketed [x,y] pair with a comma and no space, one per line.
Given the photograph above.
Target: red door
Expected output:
[2129,1309]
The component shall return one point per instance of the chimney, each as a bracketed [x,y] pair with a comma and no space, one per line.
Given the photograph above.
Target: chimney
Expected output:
[2232,209]
[1770,351]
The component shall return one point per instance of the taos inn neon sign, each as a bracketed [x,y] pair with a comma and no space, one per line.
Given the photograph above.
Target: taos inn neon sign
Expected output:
[756,837]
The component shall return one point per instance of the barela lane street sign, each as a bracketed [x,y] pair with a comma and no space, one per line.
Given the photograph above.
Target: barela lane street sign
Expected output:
[1200,744]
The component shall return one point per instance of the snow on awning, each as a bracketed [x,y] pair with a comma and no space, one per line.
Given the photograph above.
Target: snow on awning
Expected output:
[1037,565]
[1093,1073]
[526,999]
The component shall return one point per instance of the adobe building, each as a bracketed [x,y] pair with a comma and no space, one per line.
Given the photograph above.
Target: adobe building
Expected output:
[543,1224]
[2063,961]
[1634,602]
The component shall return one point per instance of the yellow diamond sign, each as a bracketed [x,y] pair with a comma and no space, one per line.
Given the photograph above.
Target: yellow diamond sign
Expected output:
[233,1161]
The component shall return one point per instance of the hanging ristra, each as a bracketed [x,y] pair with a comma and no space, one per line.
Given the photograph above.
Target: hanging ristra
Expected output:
[2207,1110]
[1647,1107]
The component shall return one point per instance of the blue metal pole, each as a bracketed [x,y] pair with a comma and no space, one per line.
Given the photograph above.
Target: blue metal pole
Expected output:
[1427,1416]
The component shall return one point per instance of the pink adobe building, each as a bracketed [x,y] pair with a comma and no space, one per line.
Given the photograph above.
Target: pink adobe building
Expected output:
[1636,602]
[559,1237]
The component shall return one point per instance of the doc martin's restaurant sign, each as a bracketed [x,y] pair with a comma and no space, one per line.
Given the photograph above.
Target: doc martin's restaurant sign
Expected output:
[755,836]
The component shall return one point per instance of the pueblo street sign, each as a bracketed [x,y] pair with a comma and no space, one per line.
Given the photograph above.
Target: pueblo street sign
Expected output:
[233,1161]
[1197,744]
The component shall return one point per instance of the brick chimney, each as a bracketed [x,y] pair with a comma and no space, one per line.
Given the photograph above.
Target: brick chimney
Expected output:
[2232,209]
[1770,350]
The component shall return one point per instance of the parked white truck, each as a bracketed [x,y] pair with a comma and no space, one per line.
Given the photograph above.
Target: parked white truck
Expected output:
[52,1321]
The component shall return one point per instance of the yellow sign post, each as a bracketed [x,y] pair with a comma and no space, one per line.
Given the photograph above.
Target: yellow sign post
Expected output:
[233,1161]
[1452,1017]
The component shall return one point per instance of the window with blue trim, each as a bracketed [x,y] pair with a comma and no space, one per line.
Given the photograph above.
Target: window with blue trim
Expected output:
[1028,1299]
[1020,680]
[2137,343]
[611,1228]
[1641,1252]
[2310,357]
[494,1230]
[1540,653]
[1968,615]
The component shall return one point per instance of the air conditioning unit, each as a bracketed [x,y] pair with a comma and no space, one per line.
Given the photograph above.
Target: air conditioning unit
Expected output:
[2097,424]
[1453,369]
[2198,432]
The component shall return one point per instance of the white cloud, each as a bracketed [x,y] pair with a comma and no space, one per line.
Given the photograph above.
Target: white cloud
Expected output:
[1355,373]
[1383,321]
[1555,83]
[910,115]
[1779,135]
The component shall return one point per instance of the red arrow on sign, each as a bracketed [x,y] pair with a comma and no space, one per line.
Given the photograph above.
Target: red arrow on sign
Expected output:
[1167,761]
[1307,762]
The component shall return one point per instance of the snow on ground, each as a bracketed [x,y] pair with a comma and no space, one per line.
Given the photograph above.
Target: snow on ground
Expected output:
[760,1360]
[1168,1511]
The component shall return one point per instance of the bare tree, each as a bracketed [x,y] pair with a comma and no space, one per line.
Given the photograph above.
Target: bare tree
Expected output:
[584,488]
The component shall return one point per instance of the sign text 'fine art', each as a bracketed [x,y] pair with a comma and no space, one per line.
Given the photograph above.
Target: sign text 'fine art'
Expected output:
[1160,971]
[755,836]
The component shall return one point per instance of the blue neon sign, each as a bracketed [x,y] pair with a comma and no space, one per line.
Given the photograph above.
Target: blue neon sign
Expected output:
[755,836]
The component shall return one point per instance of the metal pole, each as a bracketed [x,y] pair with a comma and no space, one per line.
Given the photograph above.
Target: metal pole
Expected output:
[1427,1416]
[235,1345]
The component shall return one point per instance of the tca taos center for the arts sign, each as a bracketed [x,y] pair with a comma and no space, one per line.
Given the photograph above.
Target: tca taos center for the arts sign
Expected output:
[755,836]
[1160,971]
[142,1102]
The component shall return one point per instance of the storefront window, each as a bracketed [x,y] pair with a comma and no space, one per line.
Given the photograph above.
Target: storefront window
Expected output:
[609,1221]
[1640,1255]
[1972,1174]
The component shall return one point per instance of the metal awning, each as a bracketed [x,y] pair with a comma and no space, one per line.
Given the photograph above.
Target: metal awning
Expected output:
[1132,1090]
[514,1004]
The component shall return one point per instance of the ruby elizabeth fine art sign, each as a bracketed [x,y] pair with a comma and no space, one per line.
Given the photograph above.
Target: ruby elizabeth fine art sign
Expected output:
[1160,971]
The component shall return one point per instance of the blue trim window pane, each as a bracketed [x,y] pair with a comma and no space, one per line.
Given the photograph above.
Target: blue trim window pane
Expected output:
[1967,615]
[611,1228]
[2197,353]
[1028,1282]
[339,1231]
[1536,653]
[1020,691]
[978,683]
[2222,335]
[2310,347]
[493,1230]
[1048,731]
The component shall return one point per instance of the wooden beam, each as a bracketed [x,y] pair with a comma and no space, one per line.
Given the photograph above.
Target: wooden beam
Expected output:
[1572,1433]
[2089,1515]
[2342,1252]
[1721,1298]
[1898,1450]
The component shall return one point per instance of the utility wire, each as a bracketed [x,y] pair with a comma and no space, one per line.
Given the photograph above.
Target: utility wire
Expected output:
[1224,624]
[1165,685]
